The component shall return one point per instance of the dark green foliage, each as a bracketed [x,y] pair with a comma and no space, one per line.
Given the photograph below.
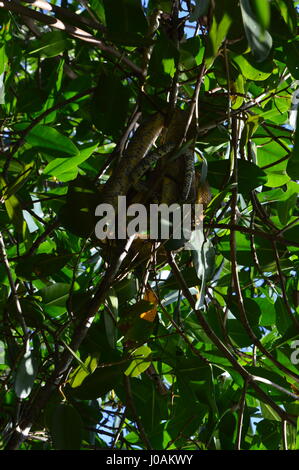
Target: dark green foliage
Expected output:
[180,349]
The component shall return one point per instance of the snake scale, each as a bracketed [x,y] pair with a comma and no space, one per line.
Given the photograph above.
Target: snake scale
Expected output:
[174,167]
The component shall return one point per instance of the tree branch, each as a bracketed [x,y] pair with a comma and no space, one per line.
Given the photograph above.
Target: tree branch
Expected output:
[219,344]
[77,33]
[22,430]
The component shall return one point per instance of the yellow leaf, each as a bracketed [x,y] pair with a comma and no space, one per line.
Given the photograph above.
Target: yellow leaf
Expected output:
[150,315]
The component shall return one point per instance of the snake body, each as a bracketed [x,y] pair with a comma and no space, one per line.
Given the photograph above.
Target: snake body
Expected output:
[179,173]
[139,146]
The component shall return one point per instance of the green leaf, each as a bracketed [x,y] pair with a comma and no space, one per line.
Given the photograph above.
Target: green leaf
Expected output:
[288,202]
[54,86]
[250,176]
[150,406]
[187,415]
[243,250]
[110,319]
[238,334]
[259,41]
[200,9]
[189,275]
[291,55]
[15,166]
[51,141]
[227,431]
[263,12]
[82,371]
[97,6]
[59,166]
[268,311]
[163,61]
[17,184]
[110,95]
[14,210]
[251,125]
[293,163]
[100,382]
[195,379]
[50,44]
[15,213]
[139,330]
[41,265]
[55,294]
[268,412]
[67,428]
[222,20]
[252,309]
[237,89]
[250,68]
[31,311]
[283,320]
[26,374]
[269,154]
[191,52]
[78,214]
[125,16]
[269,375]
[270,432]
[289,13]
[139,364]
[216,202]
[126,290]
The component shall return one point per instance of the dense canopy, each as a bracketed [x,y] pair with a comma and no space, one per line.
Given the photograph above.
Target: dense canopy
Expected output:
[149,346]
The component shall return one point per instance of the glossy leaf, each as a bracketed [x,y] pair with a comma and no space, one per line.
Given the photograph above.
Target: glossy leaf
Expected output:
[41,265]
[82,371]
[109,96]
[125,16]
[26,374]
[51,44]
[288,12]
[67,427]
[59,166]
[158,345]
[139,364]
[251,68]
[221,23]
[263,12]
[51,141]
[293,164]
[259,41]
[219,172]
[100,382]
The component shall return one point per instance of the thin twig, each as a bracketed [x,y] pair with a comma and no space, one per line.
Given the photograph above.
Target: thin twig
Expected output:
[284,434]
[77,33]
[81,329]
[256,232]
[221,346]
[48,111]
[193,104]
[241,416]
[13,287]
